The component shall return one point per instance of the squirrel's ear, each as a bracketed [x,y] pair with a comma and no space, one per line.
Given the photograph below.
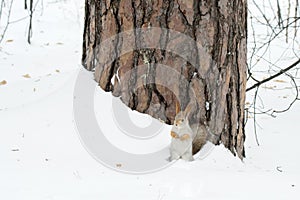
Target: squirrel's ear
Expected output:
[188,109]
[177,107]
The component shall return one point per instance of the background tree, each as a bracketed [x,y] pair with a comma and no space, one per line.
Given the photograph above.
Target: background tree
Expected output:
[218,77]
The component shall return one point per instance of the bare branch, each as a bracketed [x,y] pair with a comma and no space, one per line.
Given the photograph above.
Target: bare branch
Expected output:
[274,76]
[30,20]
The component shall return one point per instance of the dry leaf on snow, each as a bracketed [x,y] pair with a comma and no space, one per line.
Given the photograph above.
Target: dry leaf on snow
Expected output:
[4,82]
[279,81]
[26,76]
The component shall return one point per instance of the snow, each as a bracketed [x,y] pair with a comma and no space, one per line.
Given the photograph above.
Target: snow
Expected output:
[43,157]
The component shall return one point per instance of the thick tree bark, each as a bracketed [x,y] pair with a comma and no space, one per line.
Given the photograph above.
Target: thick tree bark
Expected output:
[212,69]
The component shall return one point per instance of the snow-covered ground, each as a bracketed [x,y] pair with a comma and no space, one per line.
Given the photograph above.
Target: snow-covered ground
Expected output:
[42,156]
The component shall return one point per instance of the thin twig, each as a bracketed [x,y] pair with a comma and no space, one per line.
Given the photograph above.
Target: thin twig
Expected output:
[294,100]
[7,23]
[296,15]
[264,16]
[288,20]
[1,8]
[280,21]
[254,117]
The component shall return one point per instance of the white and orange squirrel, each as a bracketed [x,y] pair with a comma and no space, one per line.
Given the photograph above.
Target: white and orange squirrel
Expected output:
[183,135]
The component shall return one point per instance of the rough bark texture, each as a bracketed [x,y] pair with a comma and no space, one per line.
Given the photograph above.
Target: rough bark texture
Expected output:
[211,78]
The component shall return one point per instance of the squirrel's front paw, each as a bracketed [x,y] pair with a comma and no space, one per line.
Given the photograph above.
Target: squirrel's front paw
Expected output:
[184,137]
[174,135]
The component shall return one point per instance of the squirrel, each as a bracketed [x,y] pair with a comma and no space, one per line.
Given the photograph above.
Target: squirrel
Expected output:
[183,135]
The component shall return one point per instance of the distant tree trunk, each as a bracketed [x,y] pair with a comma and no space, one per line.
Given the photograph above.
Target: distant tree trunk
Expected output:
[212,70]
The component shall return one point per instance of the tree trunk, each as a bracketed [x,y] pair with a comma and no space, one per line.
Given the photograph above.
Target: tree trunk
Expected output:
[153,54]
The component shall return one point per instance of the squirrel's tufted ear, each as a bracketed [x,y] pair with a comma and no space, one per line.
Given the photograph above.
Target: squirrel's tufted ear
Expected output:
[188,109]
[177,107]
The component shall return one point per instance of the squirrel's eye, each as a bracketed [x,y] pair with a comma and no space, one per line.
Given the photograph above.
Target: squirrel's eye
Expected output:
[182,120]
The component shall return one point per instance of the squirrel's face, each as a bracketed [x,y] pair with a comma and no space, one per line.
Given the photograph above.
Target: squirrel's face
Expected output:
[179,122]
[179,119]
